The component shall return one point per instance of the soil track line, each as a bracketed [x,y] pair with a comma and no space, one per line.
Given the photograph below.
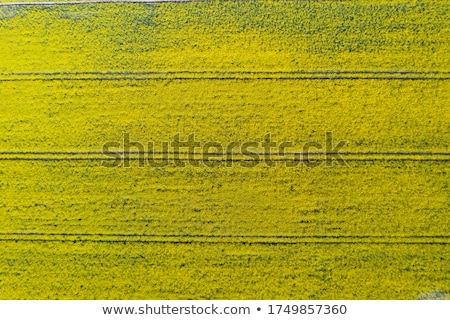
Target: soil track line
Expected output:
[58,3]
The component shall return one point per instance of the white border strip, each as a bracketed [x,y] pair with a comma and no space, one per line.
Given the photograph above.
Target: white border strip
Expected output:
[224,309]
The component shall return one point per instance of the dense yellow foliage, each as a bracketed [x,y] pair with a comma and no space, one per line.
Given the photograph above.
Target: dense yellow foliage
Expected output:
[73,77]
[371,115]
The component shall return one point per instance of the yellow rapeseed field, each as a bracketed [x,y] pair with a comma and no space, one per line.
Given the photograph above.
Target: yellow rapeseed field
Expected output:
[374,74]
